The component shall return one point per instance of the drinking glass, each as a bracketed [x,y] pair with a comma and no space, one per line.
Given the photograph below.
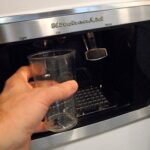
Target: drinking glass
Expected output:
[56,66]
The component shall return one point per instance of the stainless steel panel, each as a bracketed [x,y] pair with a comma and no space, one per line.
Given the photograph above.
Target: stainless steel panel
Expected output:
[20,31]
[100,6]
[55,140]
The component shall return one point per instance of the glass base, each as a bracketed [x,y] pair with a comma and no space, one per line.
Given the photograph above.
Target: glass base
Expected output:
[61,122]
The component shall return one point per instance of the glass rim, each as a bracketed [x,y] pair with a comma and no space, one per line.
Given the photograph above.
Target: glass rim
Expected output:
[34,56]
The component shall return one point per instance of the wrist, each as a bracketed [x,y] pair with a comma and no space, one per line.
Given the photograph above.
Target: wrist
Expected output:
[10,137]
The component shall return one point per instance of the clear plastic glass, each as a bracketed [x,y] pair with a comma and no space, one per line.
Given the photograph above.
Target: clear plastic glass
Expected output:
[56,66]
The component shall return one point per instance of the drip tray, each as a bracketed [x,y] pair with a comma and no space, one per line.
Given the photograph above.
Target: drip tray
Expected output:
[91,100]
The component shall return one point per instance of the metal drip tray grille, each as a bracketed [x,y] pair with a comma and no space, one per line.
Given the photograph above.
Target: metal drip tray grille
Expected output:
[90,100]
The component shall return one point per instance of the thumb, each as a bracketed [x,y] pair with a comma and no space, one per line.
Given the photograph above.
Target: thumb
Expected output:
[49,95]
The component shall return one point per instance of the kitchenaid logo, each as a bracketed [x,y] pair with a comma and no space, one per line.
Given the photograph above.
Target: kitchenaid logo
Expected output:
[75,23]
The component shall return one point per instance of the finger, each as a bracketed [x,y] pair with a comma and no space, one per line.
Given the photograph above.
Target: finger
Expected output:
[44,83]
[22,74]
[38,68]
[40,128]
[60,91]
[19,79]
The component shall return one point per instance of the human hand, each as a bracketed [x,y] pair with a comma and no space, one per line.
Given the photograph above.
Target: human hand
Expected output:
[22,108]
